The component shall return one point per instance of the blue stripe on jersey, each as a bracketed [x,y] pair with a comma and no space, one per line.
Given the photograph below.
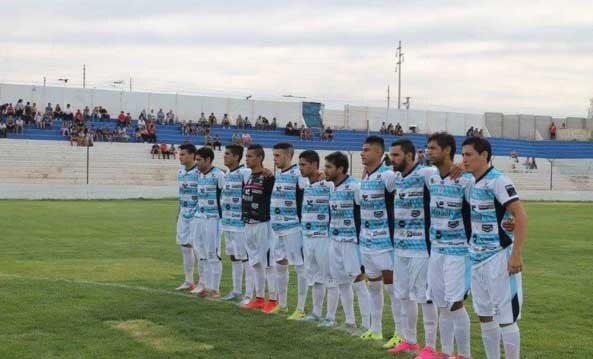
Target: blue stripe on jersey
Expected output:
[374,233]
[315,210]
[188,191]
[232,199]
[342,205]
[283,205]
[209,193]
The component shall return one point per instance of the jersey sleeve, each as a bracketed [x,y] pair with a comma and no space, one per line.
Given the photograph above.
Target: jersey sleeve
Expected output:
[467,181]
[303,182]
[220,179]
[246,173]
[356,190]
[427,172]
[389,180]
[505,191]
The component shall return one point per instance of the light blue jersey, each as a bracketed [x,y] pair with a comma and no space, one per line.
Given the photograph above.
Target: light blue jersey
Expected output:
[489,197]
[315,209]
[188,191]
[284,207]
[232,193]
[210,185]
[450,214]
[411,205]
[375,193]
[343,203]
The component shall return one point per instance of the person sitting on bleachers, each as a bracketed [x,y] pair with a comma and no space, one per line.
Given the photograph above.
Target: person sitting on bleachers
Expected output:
[65,129]
[86,114]
[236,139]
[274,123]
[383,129]
[226,122]
[266,123]
[155,150]
[104,114]
[151,116]
[121,119]
[239,121]
[514,158]
[142,115]
[208,140]
[203,121]
[141,123]
[9,110]
[137,134]
[19,125]
[128,120]
[19,108]
[289,130]
[160,117]
[38,120]
[121,135]
[247,123]
[10,126]
[57,111]
[173,151]
[170,118]
[67,113]
[217,143]
[259,123]
[328,134]
[78,118]
[399,130]
[2,129]
[246,139]
[185,128]
[151,132]
[212,119]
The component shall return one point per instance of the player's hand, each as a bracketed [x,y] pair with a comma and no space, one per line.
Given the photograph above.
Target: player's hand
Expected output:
[509,225]
[456,171]
[515,264]
[267,172]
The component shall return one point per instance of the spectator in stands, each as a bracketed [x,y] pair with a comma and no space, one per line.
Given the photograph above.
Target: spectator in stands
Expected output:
[78,118]
[226,122]
[65,129]
[121,120]
[173,151]
[239,121]
[532,164]
[236,139]
[259,123]
[246,139]
[138,135]
[10,126]
[203,121]
[552,131]
[328,134]
[28,116]
[470,132]
[155,150]
[170,117]
[151,132]
[9,111]
[121,135]
[58,112]
[399,130]
[128,120]
[141,122]
[514,158]
[208,140]
[247,123]
[88,138]
[20,125]
[289,130]
[151,115]
[383,129]
[86,113]
[104,114]
[160,117]
[481,132]
[266,123]
[164,149]
[95,114]
[68,115]
[306,133]
[142,115]
[274,124]
[2,129]
[390,129]
[421,158]
[387,160]
[216,143]
[563,125]
[19,108]
[38,120]
[212,119]
[47,120]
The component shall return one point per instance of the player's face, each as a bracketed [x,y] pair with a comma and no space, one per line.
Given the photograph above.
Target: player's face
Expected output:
[230,160]
[371,154]
[331,172]
[398,158]
[203,163]
[307,168]
[281,158]
[186,159]
[252,160]
[435,153]
[472,160]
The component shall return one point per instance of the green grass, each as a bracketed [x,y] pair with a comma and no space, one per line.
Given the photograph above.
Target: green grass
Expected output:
[93,279]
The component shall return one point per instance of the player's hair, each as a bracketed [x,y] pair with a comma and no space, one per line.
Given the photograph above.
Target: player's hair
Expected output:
[406,145]
[259,150]
[206,153]
[236,150]
[444,139]
[376,140]
[480,144]
[189,148]
[283,146]
[338,159]
[310,156]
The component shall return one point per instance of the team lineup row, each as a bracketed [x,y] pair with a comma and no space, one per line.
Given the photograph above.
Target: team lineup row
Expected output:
[425,234]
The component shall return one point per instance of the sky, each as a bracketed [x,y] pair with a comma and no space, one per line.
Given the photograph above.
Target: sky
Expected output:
[530,57]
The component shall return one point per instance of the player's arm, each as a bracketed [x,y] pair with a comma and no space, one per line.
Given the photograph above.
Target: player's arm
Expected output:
[516,260]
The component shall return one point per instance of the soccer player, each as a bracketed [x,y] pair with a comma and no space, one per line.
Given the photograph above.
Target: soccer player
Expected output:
[188,204]
[315,229]
[496,253]
[287,246]
[344,227]
[206,232]
[232,223]
[376,245]
[449,267]
[412,241]
[258,233]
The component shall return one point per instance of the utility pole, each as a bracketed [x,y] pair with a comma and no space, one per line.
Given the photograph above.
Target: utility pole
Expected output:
[83,76]
[407,102]
[400,59]
[130,84]
[388,103]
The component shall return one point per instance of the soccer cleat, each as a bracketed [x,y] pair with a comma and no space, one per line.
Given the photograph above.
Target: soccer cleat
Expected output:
[214,294]
[327,323]
[271,307]
[297,315]
[393,341]
[203,293]
[186,286]
[404,347]
[369,335]
[232,297]
[429,353]
[197,289]
[245,300]
[257,303]
[311,318]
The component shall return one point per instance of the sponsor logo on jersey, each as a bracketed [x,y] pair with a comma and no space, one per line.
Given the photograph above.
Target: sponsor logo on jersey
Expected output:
[228,207]
[402,224]
[347,222]
[454,204]
[438,235]
[367,224]
[440,204]
[510,190]
[308,226]
[277,211]
[378,214]
[236,200]
[414,234]
[416,213]
[321,217]
[487,228]
[453,224]
[484,207]
[380,195]
[379,233]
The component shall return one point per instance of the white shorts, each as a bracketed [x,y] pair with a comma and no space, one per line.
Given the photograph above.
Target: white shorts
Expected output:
[184,236]
[449,278]
[288,246]
[495,292]
[206,238]
[235,244]
[377,262]
[316,260]
[410,278]
[344,262]
[257,243]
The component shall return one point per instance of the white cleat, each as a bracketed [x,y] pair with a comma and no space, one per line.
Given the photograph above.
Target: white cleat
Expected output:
[186,286]
[198,288]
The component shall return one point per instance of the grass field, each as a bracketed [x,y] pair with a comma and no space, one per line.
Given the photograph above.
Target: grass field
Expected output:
[94,279]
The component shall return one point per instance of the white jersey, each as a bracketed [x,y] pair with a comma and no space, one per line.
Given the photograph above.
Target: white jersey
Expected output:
[344,202]
[232,193]
[210,185]
[284,209]
[188,191]
[315,209]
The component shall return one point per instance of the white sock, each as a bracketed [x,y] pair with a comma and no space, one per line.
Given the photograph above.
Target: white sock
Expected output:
[215,274]
[202,272]
[411,309]
[430,319]
[282,284]
[462,333]
[249,280]
[260,280]
[272,289]
[188,263]
[491,339]
[318,294]
[399,316]
[332,302]
[303,287]
[364,299]
[237,267]
[447,331]
[511,339]
[347,300]
[376,293]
